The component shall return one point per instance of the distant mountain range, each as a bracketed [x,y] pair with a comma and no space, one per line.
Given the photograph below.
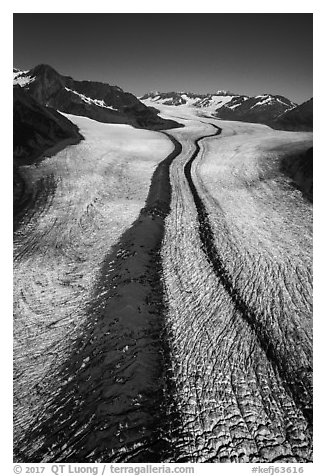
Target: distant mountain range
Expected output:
[274,110]
[212,101]
[99,101]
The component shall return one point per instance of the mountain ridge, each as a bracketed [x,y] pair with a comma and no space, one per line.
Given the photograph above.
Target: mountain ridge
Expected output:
[271,109]
[93,99]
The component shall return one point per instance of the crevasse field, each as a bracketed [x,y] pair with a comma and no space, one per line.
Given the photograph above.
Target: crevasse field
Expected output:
[236,273]
[95,190]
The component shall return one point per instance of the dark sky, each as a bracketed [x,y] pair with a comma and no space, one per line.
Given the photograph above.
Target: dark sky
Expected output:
[244,53]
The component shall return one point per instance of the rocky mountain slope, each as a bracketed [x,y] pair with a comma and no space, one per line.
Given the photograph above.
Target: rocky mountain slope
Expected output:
[37,129]
[262,108]
[299,167]
[92,99]
[298,119]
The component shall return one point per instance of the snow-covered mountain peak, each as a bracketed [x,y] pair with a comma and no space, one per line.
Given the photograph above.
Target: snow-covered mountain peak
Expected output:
[224,104]
[200,100]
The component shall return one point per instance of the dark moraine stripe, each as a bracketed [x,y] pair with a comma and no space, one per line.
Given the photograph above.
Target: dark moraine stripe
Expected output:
[112,400]
[298,384]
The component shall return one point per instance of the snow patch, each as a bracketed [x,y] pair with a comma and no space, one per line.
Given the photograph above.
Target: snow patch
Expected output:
[285,104]
[97,102]
[21,78]
[267,100]
[235,106]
